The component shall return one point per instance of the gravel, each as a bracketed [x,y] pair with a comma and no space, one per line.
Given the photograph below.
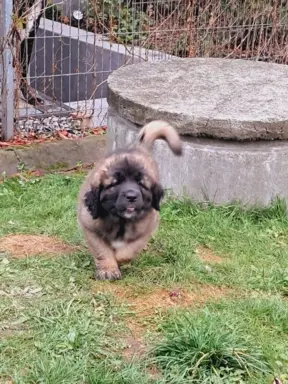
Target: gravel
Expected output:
[49,126]
[39,129]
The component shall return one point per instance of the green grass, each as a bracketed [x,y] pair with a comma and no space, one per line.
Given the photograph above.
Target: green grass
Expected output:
[54,328]
[230,341]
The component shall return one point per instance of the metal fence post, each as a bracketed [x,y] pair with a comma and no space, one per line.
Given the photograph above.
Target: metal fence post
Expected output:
[7,91]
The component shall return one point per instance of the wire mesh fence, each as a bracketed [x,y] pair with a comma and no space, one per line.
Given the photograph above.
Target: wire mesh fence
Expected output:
[63,51]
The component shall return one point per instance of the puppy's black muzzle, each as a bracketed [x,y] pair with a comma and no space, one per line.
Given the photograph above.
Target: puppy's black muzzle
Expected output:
[132,195]
[129,196]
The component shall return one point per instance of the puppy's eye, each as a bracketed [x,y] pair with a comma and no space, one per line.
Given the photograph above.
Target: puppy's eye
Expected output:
[138,176]
[118,175]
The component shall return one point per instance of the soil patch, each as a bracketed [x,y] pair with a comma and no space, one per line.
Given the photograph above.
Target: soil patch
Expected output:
[145,304]
[20,246]
[207,256]
[133,347]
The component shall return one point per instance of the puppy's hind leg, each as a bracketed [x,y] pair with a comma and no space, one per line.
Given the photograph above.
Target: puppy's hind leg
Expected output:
[104,257]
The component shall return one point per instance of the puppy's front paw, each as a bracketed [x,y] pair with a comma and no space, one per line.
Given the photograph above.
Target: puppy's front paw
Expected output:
[102,274]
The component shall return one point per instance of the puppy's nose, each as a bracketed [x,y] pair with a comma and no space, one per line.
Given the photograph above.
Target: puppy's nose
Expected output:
[132,196]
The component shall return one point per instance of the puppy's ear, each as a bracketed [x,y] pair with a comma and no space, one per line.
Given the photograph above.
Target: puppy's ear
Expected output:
[157,195]
[92,202]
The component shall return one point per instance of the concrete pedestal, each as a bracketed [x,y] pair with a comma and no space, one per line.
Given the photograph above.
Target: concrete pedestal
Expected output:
[232,116]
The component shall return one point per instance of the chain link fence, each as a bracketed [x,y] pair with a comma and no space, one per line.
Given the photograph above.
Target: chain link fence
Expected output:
[56,55]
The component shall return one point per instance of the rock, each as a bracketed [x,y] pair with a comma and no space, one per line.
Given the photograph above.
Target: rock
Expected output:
[219,98]
[243,102]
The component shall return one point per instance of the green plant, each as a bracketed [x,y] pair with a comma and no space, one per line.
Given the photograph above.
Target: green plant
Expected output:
[205,347]
[21,167]
[52,11]
[119,20]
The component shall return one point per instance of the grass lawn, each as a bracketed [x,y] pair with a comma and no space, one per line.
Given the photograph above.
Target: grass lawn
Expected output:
[205,303]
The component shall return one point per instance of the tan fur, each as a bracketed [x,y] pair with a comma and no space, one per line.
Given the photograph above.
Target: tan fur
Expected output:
[159,129]
[108,256]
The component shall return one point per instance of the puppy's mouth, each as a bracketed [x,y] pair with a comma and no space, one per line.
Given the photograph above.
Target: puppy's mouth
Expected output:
[129,212]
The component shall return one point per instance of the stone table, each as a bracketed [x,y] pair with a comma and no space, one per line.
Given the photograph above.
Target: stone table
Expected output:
[232,116]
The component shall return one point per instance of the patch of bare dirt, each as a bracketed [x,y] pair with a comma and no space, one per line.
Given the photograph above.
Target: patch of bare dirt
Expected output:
[207,256]
[163,299]
[6,333]
[133,347]
[20,246]
[145,304]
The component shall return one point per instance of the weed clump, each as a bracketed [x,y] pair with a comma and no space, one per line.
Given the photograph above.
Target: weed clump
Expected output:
[205,349]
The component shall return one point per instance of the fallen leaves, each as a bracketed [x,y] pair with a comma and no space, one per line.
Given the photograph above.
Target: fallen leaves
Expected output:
[21,139]
[64,19]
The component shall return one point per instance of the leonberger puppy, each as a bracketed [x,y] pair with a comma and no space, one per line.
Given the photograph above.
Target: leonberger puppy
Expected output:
[119,201]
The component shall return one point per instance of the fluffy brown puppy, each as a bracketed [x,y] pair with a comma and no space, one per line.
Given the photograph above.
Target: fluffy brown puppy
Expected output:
[119,201]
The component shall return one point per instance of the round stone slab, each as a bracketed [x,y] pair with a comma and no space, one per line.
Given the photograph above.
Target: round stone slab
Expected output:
[220,98]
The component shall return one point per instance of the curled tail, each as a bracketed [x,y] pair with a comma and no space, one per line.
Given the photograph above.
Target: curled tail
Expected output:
[159,129]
